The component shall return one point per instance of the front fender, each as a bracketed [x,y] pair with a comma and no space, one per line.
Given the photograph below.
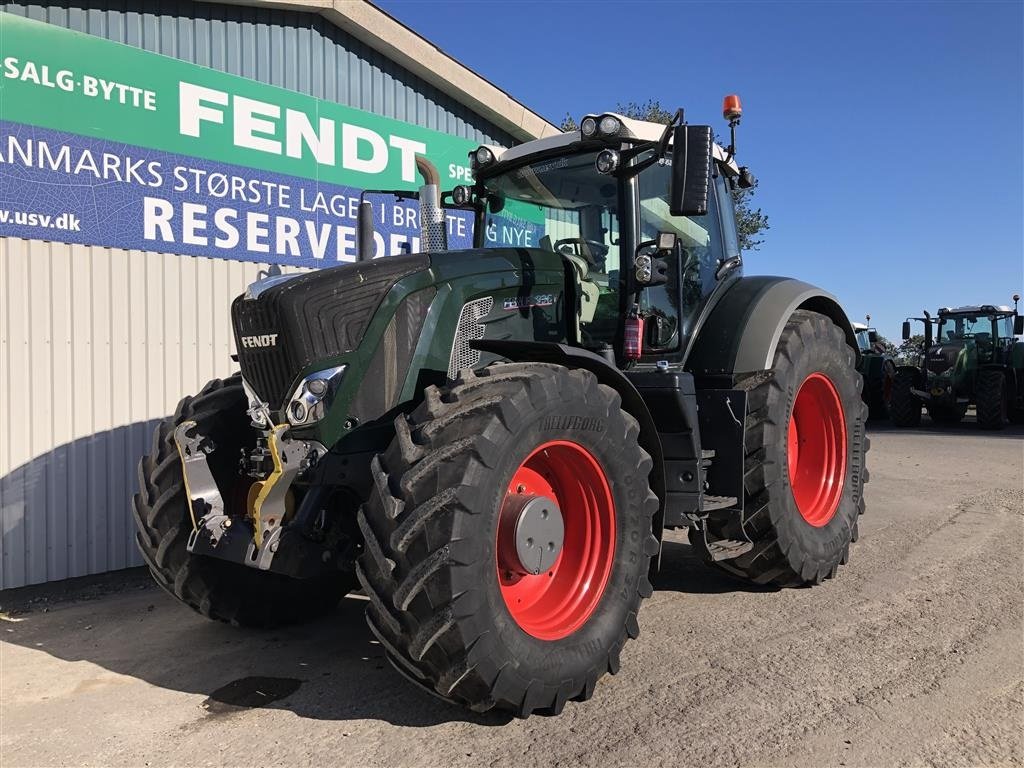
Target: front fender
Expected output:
[743,329]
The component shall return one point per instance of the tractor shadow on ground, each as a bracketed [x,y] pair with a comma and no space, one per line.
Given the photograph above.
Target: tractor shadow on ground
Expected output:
[329,669]
[968,427]
[683,570]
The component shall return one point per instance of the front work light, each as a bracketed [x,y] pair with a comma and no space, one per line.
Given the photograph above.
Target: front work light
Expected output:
[607,161]
[610,125]
[484,156]
[313,396]
[460,195]
[588,127]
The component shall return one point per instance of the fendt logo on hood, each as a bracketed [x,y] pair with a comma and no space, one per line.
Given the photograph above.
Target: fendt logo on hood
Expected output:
[266,340]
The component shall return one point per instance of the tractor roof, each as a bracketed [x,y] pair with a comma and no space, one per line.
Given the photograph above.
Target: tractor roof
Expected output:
[859,326]
[632,130]
[983,309]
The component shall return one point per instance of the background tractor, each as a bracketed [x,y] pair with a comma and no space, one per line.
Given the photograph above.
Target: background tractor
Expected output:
[970,356]
[877,368]
[491,442]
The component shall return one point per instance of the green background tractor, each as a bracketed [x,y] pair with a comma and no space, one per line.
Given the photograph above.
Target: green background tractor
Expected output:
[972,358]
[878,370]
[490,443]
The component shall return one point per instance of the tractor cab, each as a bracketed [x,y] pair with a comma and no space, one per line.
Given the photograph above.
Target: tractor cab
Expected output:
[867,338]
[641,214]
[983,331]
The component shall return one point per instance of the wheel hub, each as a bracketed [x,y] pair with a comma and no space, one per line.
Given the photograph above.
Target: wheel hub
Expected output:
[538,532]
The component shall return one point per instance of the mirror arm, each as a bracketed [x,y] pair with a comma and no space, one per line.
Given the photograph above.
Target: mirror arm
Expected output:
[677,119]
[727,266]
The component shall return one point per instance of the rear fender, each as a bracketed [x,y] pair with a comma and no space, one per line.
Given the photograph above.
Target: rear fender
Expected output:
[742,331]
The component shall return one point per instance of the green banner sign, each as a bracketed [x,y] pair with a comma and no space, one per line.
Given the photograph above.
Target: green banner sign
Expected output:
[74,82]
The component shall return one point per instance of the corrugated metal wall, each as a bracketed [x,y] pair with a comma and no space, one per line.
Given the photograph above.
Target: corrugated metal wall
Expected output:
[98,343]
[299,51]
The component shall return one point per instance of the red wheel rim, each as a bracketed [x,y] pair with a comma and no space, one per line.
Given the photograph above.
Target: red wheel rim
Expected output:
[816,449]
[554,604]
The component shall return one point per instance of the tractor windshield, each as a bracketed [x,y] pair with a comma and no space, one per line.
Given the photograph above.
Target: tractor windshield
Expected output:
[675,306]
[563,204]
[979,327]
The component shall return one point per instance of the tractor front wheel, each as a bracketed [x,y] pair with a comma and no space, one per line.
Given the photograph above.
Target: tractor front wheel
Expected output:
[992,402]
[805,460]
[904,405]
[508,539]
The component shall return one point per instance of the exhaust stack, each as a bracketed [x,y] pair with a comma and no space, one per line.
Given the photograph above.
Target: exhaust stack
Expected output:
[433,233]
[433,229]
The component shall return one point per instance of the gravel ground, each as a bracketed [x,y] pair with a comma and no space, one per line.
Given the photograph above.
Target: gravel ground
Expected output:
[913,656]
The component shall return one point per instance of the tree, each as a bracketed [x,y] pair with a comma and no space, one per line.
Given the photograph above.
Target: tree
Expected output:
[750,222]
[886,347]
[910,351]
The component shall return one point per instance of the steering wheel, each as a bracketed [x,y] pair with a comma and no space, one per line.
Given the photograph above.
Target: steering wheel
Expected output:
[592,251]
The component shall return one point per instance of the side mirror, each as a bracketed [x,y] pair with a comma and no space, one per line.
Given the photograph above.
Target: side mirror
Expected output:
[1018,325]
[691,170]
[906,330]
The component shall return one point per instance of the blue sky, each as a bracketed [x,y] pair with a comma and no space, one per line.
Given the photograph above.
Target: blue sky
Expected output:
[888,137]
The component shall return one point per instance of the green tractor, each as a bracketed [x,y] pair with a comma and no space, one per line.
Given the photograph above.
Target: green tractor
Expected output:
[877,368]
[970,356]
[491,442]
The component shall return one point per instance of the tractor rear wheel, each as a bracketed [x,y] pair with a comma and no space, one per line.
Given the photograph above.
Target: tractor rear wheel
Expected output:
[904,406]
[805,460]
[217,589]
[992,402]
[508,539]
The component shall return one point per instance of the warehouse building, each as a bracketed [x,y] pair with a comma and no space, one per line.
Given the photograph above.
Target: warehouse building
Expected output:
[152,163]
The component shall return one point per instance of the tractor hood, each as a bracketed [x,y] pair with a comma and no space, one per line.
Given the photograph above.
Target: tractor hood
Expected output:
[285,324]
[942,357]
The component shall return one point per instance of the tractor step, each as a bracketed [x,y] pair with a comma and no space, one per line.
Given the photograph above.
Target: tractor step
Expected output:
[712,503]
[727,549]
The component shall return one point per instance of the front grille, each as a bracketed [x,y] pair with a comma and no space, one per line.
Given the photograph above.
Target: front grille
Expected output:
[269,370]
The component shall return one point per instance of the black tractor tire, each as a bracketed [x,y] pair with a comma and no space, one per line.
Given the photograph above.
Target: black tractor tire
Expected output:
[788,549]
[218,589]
[879,392]
[432,524]
[991,399]
[946,414]
[905,406]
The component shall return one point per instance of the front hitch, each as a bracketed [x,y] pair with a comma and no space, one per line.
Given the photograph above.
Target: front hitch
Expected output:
[253,539]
